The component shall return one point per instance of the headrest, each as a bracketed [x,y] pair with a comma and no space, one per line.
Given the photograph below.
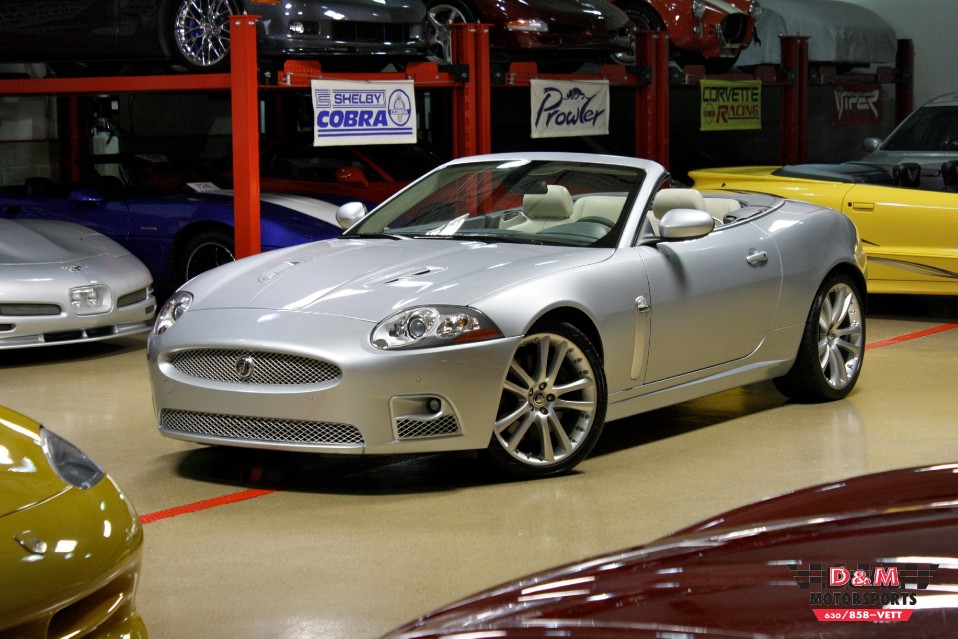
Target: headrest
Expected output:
[668,199]
[554,204]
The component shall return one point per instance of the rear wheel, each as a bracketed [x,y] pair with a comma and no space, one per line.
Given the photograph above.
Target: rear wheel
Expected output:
[199,34]
[830,356]
[441,14]
[553,402]
[644,18]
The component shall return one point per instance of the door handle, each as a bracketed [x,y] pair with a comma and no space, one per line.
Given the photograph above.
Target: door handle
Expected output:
[756,258]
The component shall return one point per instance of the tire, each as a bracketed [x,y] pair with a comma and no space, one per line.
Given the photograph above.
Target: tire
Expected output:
[553,403]
[440,14]
[830,355]
[644,18]
[198,34]
[204,251]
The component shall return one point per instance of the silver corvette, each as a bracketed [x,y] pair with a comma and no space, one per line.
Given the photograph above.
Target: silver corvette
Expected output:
[63,283]
[512,303]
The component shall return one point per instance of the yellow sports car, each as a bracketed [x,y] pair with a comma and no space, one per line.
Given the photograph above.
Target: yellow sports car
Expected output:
[69,540]
[907,217]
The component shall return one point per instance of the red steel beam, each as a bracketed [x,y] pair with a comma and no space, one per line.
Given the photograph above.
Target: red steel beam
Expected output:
[794,123]
[245,112]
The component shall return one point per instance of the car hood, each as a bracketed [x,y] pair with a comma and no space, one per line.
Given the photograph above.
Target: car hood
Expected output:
[368,278]
[50,242]
[742,572]
[25,475]
[310,206]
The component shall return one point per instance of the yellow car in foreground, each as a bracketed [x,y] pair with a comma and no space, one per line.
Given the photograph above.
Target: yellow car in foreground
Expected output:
[907,217]
[69,540]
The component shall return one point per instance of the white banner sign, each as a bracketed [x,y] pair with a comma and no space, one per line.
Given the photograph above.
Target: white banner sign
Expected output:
[348,112]
[564,108]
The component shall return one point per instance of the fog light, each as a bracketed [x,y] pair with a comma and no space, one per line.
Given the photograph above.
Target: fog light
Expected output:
[297,27]
[90,300]
[434,405]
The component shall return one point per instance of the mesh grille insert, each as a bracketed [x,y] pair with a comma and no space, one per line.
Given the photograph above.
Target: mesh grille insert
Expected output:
[260,428]
[415,428]
[248,367]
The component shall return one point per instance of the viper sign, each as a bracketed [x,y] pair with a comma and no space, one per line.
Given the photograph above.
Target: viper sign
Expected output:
[350,113]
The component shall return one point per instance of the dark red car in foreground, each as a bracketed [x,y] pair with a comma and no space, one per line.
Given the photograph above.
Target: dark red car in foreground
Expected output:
[872,556]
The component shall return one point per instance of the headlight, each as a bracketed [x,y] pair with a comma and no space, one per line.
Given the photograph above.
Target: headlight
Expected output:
[427,326]
[534,25]
[172,311]
[91,300]
[69,462]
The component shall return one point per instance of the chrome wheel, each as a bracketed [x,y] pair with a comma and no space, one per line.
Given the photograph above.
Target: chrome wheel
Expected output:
[830,355]
[553,403]
[201,32]
[840,336]
[438,33]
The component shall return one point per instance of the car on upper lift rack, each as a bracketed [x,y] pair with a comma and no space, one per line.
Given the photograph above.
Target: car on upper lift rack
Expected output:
[195,34]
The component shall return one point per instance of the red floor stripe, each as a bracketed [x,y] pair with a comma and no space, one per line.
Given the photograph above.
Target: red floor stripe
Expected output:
[253,493]
[911,336]
[203,505]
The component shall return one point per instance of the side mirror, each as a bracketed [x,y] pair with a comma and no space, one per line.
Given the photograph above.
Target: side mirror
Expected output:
[350,213]
[685,224]
[871,144]
[352,176]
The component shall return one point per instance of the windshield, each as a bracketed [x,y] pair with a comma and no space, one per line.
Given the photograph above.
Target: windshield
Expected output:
[927,129]
[535,201]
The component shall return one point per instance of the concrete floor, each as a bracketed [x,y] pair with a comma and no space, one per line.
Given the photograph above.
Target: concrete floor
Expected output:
[293,545]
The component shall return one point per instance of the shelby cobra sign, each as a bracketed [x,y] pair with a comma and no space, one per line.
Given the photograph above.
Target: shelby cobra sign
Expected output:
[348,112]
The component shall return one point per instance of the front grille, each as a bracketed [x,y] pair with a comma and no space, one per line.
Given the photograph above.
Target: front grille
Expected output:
[265,429]
[253,367]
[369,32]
[133,298]
[24,310]
[73,336]
[409,428]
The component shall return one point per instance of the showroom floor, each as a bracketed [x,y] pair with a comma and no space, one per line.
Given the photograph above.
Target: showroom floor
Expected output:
[243,544]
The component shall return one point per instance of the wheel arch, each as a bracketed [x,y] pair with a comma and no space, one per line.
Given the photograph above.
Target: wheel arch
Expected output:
[577,318]
[856,275]
[188,232]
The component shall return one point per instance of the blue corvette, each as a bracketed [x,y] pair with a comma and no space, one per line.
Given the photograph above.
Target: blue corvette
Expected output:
[171,216]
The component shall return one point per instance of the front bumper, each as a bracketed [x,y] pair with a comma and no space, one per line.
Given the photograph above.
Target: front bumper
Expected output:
[84,583]
[128,317]
[305,29]
[299,381]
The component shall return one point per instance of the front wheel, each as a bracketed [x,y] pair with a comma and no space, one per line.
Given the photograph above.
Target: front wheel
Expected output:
[204,251]
[199,34]
[830,355]
[553,402]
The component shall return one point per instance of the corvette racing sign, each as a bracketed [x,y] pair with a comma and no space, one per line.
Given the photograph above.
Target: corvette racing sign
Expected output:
[349,112]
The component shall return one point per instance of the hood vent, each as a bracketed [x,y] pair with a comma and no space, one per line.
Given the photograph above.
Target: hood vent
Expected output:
[393,278]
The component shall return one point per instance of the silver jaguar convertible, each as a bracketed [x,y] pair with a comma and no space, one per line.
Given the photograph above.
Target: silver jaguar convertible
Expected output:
[513,304]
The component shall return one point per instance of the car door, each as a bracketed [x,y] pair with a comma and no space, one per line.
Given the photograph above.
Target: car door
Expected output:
[65,30]
[712,299]
[910,235]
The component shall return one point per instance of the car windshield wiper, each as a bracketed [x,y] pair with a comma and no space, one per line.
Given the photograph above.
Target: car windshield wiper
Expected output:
[384,236]
[488,238]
